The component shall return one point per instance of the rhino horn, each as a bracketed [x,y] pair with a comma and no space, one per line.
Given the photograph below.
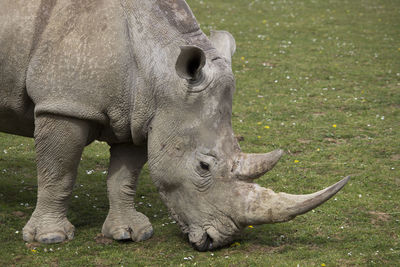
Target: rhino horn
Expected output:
[251,166]
[265,206]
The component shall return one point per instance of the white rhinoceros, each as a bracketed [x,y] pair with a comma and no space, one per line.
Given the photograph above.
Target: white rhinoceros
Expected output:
[143,77]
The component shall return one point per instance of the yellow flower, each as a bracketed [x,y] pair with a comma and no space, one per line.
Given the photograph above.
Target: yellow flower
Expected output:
[236,244]
[323,265]
[259,137]
[242,58]
[334,125]
[251,226]
[318,149]
[264,21]
[259,123]
[296,161]
[34,250]
[266,127]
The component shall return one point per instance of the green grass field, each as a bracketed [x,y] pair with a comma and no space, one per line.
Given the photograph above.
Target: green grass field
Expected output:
[319,79]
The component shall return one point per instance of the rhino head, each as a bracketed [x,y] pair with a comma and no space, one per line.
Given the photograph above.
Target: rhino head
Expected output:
[203,177]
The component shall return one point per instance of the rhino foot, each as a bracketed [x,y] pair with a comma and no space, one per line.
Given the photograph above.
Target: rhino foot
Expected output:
[133,225]
[48,230]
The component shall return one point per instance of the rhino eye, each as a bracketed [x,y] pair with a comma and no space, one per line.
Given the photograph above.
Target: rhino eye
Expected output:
[205,166]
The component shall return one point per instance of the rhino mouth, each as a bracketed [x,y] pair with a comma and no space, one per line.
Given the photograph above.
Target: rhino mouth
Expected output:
[209,238]
[205,245]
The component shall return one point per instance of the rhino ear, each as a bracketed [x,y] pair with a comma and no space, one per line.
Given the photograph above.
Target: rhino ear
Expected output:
[224,43]
[190,63]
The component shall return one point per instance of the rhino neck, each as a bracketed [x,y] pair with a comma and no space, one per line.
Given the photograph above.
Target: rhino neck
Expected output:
[156,31]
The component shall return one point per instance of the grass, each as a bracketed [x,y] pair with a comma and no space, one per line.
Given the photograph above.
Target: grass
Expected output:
[325,77]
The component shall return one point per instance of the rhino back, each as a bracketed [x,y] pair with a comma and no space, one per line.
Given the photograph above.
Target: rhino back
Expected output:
[81,66]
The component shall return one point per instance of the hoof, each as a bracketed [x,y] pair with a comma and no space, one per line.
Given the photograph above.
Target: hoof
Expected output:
[144,234]
[135,226]
[51,238]
[48,231]
[121,234]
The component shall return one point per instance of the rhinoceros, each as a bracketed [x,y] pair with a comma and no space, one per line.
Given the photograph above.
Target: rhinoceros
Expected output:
[143,77]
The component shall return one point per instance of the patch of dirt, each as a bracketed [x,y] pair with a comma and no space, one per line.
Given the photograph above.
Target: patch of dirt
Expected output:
[395,105]
[336,141]
[263,248]
[19,214]
[269,64]
[100,168]
[378,216]
[395,236]
[395,157]
[100,263]
[54,263]
[314,247]
[338,237]
[101,239]
[239,138]
[294,153]
[304,141]
[18,258]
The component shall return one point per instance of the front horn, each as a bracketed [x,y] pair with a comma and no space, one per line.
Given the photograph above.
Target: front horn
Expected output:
[251,166]
[265,206]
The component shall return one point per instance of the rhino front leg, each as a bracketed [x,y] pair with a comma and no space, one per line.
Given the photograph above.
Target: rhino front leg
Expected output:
[59,143]
[123,221]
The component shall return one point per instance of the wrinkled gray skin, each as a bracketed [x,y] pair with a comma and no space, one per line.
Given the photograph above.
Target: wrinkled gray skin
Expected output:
[143,77]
